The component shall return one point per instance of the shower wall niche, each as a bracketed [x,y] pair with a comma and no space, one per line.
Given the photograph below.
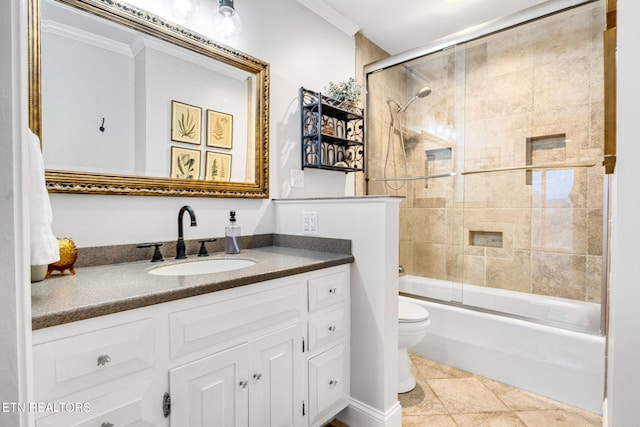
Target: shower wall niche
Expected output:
[529,95]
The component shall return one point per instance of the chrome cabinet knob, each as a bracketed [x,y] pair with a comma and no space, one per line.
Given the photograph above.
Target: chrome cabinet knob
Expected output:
[243,384]
[104,360]
[332,328]
[333,383]
[333,290]
[257,377]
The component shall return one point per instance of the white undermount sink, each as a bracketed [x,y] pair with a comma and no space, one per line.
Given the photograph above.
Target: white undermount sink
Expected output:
[216,265]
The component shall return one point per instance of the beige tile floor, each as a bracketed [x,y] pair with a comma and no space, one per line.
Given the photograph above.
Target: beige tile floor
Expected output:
[449,397]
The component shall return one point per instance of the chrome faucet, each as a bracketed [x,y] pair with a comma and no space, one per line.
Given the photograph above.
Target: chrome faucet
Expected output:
[180,243]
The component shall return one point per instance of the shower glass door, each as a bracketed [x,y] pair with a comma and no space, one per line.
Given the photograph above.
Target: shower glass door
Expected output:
[501,168]
[413,150]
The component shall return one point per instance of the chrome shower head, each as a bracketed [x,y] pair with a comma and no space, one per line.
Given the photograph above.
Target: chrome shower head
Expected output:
[421,93]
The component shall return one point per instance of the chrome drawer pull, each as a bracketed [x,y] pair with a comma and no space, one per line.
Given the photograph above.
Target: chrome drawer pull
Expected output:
[106,425]
[104,360]
[257,377]
[333,383]
[332,328]
[243,384]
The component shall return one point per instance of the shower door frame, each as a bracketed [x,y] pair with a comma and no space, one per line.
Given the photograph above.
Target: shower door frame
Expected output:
[524,16]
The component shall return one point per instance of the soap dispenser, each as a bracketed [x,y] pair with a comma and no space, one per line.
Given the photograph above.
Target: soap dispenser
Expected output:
[232,235]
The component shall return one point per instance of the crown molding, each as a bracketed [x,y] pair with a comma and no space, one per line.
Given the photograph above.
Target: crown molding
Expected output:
[331,15]
[72,33]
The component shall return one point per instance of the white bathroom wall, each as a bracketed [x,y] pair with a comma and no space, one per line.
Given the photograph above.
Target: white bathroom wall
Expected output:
[623,375]
[15,309]
[302,50]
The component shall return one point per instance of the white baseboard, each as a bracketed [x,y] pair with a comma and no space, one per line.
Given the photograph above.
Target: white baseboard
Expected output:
[359,414]
[605,413]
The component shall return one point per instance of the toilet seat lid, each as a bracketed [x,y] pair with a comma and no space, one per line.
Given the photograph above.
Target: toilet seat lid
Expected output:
[409,312]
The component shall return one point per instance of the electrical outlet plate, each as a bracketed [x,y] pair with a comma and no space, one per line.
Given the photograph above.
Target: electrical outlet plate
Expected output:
[309,223]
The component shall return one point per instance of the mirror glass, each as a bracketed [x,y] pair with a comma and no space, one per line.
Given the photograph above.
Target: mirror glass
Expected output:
[131,104]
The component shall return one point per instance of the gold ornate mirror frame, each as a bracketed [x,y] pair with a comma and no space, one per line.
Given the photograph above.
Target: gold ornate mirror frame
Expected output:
[96,183]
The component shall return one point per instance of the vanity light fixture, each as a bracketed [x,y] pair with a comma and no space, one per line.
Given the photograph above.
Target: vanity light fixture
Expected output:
[184,9]
[226,20]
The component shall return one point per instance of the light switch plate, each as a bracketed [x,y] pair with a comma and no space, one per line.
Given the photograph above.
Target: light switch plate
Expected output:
[297,178]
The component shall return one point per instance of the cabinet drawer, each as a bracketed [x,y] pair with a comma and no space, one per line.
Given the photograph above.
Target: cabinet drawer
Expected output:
[327,327]
[328,384]
[224,322]
[327,290]
[135,405]
[75,363]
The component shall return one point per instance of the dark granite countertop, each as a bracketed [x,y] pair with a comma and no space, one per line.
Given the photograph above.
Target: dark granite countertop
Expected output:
[100,290]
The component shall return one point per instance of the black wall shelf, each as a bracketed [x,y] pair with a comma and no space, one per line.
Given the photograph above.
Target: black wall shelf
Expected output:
[332,133]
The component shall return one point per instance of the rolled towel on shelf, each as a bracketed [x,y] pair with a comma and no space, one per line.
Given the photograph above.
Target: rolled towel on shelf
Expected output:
[44,245]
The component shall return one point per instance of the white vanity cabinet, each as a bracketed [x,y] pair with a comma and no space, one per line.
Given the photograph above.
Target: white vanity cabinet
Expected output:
[274,353]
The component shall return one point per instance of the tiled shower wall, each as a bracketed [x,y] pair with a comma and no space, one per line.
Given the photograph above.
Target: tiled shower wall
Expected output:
[530,95]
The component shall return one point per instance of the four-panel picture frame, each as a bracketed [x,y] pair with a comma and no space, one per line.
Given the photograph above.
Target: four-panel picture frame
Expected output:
[186,127]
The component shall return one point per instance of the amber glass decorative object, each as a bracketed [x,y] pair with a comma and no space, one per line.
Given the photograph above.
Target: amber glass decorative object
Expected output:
[68,257]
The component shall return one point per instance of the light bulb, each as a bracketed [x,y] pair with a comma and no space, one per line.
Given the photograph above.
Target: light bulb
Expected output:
[184,9]
[226,20]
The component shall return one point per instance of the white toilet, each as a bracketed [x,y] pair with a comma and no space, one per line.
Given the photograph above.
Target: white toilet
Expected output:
[413,322]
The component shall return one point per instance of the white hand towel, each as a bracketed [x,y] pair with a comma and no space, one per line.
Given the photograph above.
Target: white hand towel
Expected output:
[44,245]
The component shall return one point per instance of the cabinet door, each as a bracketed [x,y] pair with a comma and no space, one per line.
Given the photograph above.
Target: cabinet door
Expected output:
[212,391]
[276,374]
[328,384]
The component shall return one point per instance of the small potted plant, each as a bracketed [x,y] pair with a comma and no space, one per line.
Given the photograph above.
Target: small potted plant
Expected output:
[347,93]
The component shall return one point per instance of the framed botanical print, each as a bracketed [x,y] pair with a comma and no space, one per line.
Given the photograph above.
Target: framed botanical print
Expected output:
[185,163]
[219,129]
[217,166]
[186,123]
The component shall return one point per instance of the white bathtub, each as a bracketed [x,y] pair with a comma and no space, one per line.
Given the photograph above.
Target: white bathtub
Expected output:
[561,364]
